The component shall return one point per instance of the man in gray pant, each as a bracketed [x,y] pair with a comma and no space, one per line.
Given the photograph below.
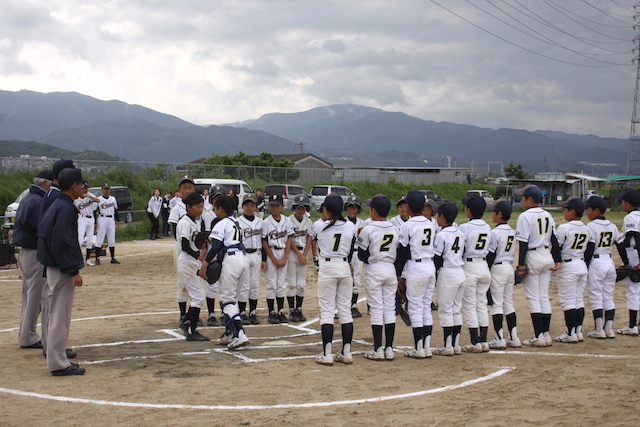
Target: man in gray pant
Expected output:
[25,236]
[59,251]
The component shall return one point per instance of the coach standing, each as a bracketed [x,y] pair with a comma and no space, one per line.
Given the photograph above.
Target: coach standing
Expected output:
[25,236]
[59,251]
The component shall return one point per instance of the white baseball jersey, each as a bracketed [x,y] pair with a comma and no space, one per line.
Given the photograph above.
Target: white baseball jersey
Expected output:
[573,237]
[535,226]
[397,221]
[188,227]
[107,206]
[227,231]
[173,202]
[630,223]
[604,234]
[418,233]
[476,234]
[178,211]
[335,241]
[381,238]
[502,243]
[85,205]
[207,218]
[300,230]
[154,205]
[449,244]
[275,232]
[251,232]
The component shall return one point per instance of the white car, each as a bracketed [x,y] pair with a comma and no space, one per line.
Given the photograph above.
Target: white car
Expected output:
[10,212]
[482,193]
[593,193]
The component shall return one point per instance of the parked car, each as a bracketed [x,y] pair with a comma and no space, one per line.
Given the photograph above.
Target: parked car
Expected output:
[506,192]
[432,195]
[123,197]
[12,208]
[319,192]
[241,188]
[482,193]
[288,191]
[593,193]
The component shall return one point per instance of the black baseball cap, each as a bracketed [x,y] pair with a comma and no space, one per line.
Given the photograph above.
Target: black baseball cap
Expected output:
[333,203]
[70,176]
[448,210]
[415,200]
[60,165]
[217,190]
[475,203]
[596,202]
[401,201]
[575,203]
[501,205]
[630,196]
[45,174]
[530,190]
[380,203]
[275,199]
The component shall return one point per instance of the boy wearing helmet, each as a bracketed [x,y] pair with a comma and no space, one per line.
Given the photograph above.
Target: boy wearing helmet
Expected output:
[299,245]
[353,206]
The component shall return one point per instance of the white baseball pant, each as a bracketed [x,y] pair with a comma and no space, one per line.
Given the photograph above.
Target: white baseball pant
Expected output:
[335,285]
[249,284]
[474,299]
[183,294]
[233,266]
[632,291]
[106,227]
[450,287]
[356,271]
[380,285]
[502,282]
[85,226]
[571,280]
[296,276]
[601,282]
[275,276]
[187,270]
[536,282]
[421,280]
[212,290]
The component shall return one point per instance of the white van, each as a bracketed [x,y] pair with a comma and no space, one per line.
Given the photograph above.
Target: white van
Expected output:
[241,188]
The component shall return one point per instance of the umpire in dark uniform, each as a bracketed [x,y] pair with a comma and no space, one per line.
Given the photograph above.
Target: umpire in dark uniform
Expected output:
[59,251]
[25,236]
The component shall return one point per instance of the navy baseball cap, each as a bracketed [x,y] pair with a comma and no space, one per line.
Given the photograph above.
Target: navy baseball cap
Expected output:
[217,190]
[69,176]
[530,190]
[575,203]
[415,200]
[45,174]
[185,180]
[596,202]
[225,203]
[333,203]
[380,203]
[630,196]
[60,165]
[475,203]
[501,205]
[400,201]
[448,210]
[429,202]
[276,199]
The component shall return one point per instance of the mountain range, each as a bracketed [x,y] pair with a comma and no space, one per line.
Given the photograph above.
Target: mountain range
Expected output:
[342,134]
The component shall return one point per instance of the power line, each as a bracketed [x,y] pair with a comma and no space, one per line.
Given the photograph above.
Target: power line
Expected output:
[606,13]
[558,7]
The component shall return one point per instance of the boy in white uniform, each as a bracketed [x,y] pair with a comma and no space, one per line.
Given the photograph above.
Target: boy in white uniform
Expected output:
[601,279]
[275,253]
[448,250]
[535,232]
[377,249]
[86,204]
[474,301]
[108,210]
[210,219]
[403,214]
[573,238]
[630,241]
[353,206]
[502,252]
[415,259]
[249,287]
[299,246]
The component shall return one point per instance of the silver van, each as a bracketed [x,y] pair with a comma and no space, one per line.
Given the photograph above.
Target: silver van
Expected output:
[320,192]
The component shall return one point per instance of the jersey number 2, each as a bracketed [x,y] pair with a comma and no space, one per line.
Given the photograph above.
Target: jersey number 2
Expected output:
[387,239]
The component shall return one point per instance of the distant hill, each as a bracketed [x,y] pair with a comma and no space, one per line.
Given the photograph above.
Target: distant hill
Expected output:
[37,149]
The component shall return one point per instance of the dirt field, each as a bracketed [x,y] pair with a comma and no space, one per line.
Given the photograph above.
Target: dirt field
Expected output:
[140,371]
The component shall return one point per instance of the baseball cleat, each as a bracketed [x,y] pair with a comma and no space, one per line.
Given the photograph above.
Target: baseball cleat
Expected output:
[472,348]
[253,319]
[184,325]
[212,321]
[355,312]
[224,339]
[196,336]
[444,351]
[485,346]
[567,338]
[610,333]
[536,341]
[600,335]
[97,261]
[88,263]
[514,343]
[282,318]
[375,354]
[389,354]
[416,354]
[547,339]
[239,341]
[498,344]
[273,318]
[347,359]
[457,350]
[34,345]
[580,336]
[628,331]
[72,369]
[293,316]
[301,317]
[244,319]
[325,360]
[114,261]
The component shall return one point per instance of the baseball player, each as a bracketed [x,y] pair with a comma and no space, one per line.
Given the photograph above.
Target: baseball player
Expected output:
[249,287]
[86,204]
[502,251]
[630,241]
[377,249]
[153,211]
[601,279]
[25,235]
[334,236]
[275,253]
[190,261]
[299,245]
[226,235]
[448,250]
[427,212]
[59,252]
[403,214]
[353,206]
[210,219]
[535,232]
[108,213]
[415,258]
[165,213]
[573,238]
[478,277]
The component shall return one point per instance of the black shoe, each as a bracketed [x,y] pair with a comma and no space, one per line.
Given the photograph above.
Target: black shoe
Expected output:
[97,261]
[69,352]
[301,317]
[355,312]
[184,325]
[293,316]
[282,318]
[273,318]
[72,369]
[253,319]
[434,306]
[34,345]
[244,319]
[114,261]
[196,336]
[212,321]
[152,238]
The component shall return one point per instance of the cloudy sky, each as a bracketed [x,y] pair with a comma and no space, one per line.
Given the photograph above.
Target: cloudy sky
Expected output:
[561,65]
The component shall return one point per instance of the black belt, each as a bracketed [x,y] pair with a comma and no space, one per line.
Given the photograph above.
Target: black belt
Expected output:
[472,259]
[87,216]
[231,253]
[533,249]
[300,248]
[275,247]
[108,216]
[598,256]
[497,263]
[329,259]
[571,259]
[250,251]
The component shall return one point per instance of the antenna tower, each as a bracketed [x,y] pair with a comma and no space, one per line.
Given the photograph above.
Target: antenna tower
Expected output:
[633,154]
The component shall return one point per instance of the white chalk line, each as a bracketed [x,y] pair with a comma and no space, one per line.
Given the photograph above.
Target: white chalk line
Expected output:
[546,353]
[468,383]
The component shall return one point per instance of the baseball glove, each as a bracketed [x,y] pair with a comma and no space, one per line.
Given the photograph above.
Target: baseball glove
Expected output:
[634,275]
[622,272]
[201,239]
[519,278]
[213,271]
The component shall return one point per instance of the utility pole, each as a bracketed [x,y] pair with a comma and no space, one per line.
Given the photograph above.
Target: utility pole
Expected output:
[633,155]
[300,144]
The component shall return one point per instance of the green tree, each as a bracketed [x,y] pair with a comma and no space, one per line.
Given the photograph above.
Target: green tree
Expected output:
[242,165]
[515,171]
